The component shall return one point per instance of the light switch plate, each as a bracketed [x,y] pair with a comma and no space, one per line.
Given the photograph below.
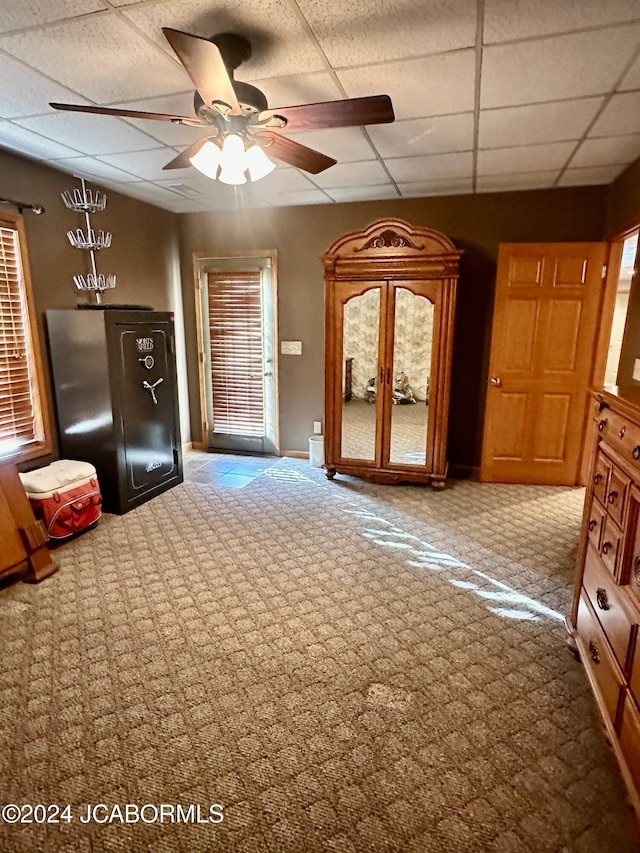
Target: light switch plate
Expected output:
[291,347]
[636,370]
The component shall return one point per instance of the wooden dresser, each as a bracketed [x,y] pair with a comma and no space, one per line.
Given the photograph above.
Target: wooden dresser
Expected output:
[606,610]
[22,538]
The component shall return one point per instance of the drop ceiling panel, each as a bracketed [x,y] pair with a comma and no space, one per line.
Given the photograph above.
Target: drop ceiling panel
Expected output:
[88,133]
[147,165]
[280,42]
[614,150]
[164,131]
[20,139]
[352,175]
[146,191]
[394,29]
[120,65]
[26,92]
[631,79]
[412,170]
[19,14]
[295,198]
[342,194]
[435,85]
[619,117]
[522,19]
[300,89]
[89,167]
[523,181]
[413,137]
[551,73]
[534,158]
[549,69]
[344,144]
[448,186]
[236,203]
[528,125]
[283,179]
[207,193]
[592,175]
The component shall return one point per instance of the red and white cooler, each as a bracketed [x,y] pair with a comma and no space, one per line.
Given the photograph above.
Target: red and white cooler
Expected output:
[65,496]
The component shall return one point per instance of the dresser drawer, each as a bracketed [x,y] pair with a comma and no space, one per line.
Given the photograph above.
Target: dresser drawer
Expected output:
[631,568]
[620,434]
[595,524]
[611,546]
[629,737]
[617,492]
[598,658]
[601,476]
[608,602]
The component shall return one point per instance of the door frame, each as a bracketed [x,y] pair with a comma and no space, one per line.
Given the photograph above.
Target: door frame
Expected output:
[201,260]
[615,243]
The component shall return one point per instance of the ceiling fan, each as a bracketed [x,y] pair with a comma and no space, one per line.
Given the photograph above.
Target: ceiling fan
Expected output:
[238,119]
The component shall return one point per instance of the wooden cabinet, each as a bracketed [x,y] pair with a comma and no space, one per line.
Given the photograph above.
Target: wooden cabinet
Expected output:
[606,612]
[22,538]
[390,294]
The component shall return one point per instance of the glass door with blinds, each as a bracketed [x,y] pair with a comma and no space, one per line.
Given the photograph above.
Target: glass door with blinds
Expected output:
[239,333]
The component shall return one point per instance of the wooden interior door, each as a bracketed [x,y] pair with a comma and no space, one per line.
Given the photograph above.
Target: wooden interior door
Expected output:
[545,325]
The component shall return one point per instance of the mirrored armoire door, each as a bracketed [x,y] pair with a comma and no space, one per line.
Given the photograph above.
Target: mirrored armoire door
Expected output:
[390,301]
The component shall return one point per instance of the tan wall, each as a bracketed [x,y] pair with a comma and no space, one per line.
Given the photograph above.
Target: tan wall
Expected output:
[300,235]
[143,253]
[623,209]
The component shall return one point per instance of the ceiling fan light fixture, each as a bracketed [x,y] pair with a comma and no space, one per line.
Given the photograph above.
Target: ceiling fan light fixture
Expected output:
[233,161]
[207,160]
[258,164]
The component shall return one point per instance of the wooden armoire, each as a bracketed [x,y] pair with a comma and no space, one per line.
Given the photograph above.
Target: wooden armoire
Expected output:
[390,295]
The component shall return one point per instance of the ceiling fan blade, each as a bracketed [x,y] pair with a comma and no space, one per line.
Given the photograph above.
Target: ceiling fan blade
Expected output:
[107,111]
[203,63]
[376,109]
[295,154]
[183,160]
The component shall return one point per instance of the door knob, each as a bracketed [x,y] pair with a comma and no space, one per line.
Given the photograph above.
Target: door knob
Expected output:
[495,380]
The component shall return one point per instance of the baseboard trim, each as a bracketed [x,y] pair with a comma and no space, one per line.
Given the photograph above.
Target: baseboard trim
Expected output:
[296,454]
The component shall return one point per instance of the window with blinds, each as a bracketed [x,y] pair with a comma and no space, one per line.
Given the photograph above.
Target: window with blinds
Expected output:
[22,425]
[237,354]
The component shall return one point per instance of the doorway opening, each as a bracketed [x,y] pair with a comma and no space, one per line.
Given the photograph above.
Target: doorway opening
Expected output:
[623,289]
[237,304]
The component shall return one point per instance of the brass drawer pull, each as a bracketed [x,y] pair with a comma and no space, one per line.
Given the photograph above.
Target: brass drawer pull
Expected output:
[636,452]
[602,424]
[601,598]
[622,431]
[636,570]
[592,525]
[606,547]
[594,652]
[597,479]
[612,497]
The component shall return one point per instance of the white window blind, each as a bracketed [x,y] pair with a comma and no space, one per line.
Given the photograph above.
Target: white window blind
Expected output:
[21,425]
[237,358]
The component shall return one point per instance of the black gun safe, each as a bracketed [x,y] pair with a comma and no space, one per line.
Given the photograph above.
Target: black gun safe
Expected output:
[114,378]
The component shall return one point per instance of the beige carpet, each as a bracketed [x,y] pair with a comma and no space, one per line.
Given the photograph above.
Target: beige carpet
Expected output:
[341,666]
